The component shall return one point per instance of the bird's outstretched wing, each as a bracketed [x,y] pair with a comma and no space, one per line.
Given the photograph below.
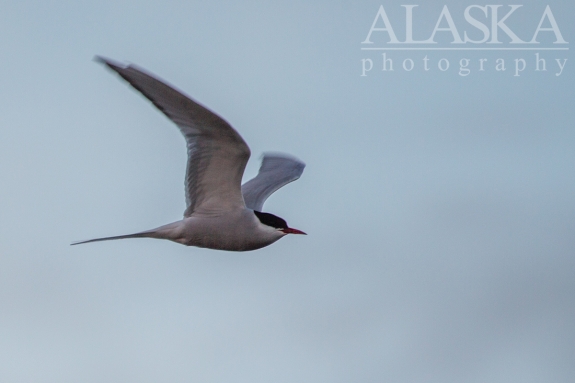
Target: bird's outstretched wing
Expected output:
[277,170]
[217,154]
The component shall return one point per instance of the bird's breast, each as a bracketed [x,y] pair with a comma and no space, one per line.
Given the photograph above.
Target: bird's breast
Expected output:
[235,231]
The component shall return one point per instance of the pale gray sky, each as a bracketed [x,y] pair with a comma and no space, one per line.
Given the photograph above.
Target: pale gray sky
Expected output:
[440,208]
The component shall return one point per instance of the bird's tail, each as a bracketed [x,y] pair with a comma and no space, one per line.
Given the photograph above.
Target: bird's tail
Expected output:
[143,234]
[170,231]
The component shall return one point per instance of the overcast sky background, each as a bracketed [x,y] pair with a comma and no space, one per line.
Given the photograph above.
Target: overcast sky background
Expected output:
[440,208]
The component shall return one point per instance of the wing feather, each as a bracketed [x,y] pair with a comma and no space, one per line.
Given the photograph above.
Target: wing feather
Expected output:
[276,171]
[217,154]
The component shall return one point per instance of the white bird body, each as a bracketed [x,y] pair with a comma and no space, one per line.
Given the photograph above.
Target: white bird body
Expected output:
[238,230]
[221,213]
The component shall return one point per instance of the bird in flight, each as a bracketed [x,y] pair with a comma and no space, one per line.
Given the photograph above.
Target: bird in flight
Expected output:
[221,213]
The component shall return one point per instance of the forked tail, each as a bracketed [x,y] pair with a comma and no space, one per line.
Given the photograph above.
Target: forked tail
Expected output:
[143,234]
[170,231]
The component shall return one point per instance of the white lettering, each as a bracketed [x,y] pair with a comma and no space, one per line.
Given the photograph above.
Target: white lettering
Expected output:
[560,66]
[385,61]
[496,24]
[441,66]
[463,67]
[410,61]
[381,14]
[482,27]
[409,24]
[554,28]
[451,27]
[517,68]
[466,65]
[425,60]
[537,61]
[364,68]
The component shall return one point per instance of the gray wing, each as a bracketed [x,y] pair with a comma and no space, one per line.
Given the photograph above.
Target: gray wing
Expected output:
[217,154]
[277,170]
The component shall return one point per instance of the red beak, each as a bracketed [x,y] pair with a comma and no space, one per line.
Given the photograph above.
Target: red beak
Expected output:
[290,230]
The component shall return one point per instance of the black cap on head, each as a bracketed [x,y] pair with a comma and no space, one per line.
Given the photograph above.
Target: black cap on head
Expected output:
[271,220]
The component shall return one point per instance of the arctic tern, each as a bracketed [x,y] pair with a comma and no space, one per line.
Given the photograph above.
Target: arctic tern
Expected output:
[221,213]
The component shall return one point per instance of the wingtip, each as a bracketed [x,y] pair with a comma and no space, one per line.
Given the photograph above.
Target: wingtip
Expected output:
[108,62]
[101,59]
[282,155]
[84,241]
